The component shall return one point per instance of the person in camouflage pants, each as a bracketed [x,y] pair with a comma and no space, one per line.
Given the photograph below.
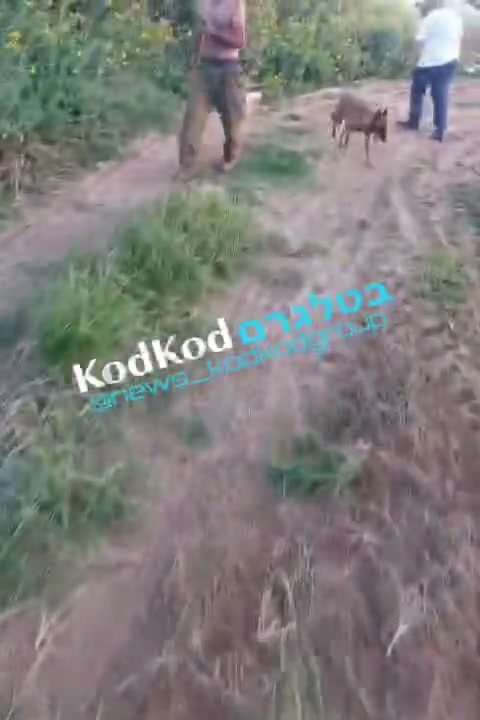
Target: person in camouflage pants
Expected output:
[216,82]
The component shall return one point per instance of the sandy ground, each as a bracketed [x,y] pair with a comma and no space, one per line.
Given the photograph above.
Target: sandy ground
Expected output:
[402,552]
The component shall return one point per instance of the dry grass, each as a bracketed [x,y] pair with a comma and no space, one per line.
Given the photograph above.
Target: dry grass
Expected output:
[291,611]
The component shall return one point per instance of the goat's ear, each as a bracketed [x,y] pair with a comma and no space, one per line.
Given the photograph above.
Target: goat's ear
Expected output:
[385,112]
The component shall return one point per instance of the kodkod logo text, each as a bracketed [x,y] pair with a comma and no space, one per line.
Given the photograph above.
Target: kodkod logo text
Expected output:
[251,332]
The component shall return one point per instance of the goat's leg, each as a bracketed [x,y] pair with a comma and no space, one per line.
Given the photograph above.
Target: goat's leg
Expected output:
[334,127]
[367,150]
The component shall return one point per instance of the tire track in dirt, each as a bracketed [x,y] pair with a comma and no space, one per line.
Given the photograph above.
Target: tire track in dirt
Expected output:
[346,257]
[398,233]
[418,227]
[440,346]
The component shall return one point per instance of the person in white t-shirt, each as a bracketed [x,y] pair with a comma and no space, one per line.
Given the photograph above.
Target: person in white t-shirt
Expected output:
[440,38]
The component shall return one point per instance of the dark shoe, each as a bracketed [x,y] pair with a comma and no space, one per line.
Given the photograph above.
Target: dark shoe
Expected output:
[407,125]
[437,136]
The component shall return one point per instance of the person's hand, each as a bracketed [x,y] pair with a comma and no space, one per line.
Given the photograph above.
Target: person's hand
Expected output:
[197,45]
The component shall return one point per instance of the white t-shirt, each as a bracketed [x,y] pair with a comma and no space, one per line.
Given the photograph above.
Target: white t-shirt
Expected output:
[440,33]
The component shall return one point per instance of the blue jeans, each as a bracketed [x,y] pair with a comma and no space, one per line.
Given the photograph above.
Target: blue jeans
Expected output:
[439,79]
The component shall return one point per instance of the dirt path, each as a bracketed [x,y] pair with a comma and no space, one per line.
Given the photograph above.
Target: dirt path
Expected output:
[405,550]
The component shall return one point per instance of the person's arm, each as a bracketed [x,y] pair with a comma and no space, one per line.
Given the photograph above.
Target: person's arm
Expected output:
[198,37]
[420,39]
[422,32]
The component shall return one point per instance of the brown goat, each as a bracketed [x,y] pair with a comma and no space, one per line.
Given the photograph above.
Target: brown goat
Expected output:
[355,115]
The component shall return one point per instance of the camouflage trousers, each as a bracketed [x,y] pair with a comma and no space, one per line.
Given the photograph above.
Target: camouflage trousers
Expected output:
[219,86]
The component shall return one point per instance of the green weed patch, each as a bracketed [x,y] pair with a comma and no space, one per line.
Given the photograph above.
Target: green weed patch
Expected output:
[444,280]
[54,497]
[313,467]
[274,163]
[166,259]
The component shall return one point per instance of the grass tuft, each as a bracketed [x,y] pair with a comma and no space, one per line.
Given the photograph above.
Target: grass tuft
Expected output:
[52,495]
[274,163]
[467,199]
[196,433]
[162,263]
[86,315]
[444,280]
[76,91]
[313,467]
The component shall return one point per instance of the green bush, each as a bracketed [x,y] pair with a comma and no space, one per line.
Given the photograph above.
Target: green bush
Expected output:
[294,56]
[70,83]
[306,45]
[179,13]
